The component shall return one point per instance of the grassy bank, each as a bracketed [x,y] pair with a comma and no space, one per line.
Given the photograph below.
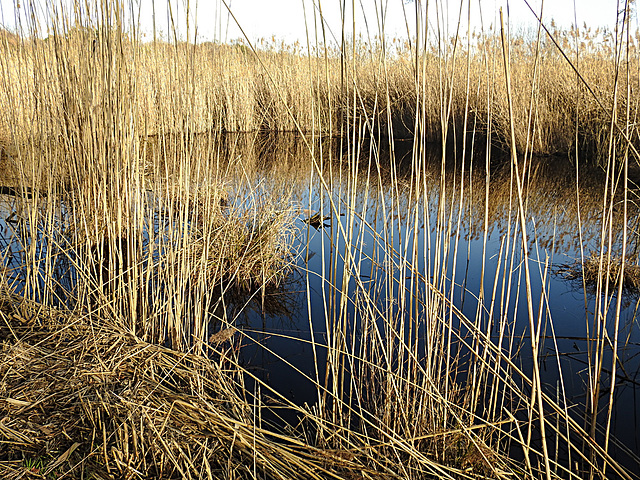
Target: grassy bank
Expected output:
[132,409]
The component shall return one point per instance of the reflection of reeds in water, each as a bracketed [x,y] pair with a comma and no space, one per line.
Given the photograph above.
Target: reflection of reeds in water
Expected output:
[549,187]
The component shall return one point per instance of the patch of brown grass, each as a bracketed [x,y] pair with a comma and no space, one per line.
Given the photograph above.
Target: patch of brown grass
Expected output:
[84,398]
[609,270]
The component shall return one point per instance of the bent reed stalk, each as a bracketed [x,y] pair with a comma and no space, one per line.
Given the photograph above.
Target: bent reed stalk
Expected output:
[145,225]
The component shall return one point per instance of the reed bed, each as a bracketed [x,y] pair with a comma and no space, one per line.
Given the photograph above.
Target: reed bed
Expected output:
[145,234]
[277,87]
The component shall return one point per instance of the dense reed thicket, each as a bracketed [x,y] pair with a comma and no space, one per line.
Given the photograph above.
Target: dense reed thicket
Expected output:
[137,235]
[230,88]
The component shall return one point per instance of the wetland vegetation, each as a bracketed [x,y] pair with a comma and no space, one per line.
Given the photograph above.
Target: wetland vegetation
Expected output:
[388,259]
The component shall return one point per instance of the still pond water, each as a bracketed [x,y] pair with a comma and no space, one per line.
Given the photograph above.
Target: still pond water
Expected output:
[406,222]
[479,249]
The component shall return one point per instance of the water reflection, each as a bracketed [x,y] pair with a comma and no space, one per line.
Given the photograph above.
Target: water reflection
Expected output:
[455,230]
[399,234]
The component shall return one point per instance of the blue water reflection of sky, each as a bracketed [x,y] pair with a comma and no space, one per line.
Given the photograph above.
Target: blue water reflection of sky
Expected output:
[565,313]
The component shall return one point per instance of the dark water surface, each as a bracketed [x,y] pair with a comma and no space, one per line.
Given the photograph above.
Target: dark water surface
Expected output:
[407,226]
[449,234]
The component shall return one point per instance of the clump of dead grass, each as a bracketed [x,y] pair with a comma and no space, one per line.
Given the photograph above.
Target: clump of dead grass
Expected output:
[609,269]
[247,245]
[89,400]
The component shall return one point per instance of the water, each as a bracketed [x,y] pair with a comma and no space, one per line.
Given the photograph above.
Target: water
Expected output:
[400,243]
[449,235]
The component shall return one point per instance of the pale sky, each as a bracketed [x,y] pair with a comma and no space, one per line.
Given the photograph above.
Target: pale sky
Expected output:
[285,19]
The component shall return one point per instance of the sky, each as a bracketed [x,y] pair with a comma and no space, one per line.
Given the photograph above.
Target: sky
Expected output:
[261,19]
[289,20]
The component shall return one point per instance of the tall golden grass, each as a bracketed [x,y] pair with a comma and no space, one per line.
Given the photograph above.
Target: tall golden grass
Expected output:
[229,88]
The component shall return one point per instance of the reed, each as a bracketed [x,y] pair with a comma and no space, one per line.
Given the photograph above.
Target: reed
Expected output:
[278,87]
[148,232]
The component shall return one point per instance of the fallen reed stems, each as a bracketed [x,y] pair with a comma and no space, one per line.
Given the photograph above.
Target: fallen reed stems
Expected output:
[121,406]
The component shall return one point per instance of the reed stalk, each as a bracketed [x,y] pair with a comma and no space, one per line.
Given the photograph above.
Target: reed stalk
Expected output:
[142,232]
